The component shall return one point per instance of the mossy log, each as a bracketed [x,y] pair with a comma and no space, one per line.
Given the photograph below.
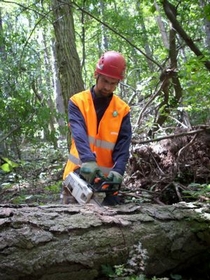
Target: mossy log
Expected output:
[73,242]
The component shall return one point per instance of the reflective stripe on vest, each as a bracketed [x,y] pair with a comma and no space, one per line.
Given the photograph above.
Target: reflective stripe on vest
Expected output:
[74,159]
[101,143]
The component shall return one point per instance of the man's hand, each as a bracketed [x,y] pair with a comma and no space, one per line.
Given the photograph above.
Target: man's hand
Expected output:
[89,170]
[115,177]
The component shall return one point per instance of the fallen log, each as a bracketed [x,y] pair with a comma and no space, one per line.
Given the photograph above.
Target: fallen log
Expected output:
[73,242]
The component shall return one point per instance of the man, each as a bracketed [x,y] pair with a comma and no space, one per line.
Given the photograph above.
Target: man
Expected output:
[100,126]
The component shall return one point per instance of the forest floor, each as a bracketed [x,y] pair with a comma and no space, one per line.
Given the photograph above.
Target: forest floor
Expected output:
[164,172]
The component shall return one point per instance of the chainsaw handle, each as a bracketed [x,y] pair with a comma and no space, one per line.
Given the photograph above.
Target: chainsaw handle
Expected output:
[104,186]
[110,183]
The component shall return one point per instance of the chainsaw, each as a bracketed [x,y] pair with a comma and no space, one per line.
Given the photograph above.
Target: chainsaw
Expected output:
[85,192]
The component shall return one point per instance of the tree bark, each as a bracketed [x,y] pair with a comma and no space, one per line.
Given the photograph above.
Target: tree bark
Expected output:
[72,242]
[68,63]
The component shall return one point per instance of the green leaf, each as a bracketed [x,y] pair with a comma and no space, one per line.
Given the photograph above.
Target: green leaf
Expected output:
[10,162]
[6,167]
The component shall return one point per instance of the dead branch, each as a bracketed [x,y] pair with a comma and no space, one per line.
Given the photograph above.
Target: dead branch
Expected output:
[135,141]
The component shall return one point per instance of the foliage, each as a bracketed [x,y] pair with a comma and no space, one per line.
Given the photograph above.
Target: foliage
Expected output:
[24,87]
[26,60]
[138,70]
[9,165]
[119,273]
[134,266]
[197,191]
[34,178]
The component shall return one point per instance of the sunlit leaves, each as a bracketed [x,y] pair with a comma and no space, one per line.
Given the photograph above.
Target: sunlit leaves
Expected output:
[25,82]
[9,165]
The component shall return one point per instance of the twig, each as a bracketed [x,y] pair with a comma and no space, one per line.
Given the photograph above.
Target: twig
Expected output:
[187,145]
[9,133]
[161,171]
[181,150]
[177,191]
[157,200]
[156,93]
[14,129]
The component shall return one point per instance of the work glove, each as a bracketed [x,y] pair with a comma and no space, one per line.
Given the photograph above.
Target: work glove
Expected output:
[112,199]
[115,177]
[90,170]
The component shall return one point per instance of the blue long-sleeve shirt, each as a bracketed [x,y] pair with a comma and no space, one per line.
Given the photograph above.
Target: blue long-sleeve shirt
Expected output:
[78,128]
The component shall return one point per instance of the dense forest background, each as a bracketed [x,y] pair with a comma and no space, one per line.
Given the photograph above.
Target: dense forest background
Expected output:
[48,52]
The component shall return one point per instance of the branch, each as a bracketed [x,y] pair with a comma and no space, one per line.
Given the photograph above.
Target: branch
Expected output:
[170,11]
[9,133]
[134,141]
[161,85]
[117,33]
[14,129]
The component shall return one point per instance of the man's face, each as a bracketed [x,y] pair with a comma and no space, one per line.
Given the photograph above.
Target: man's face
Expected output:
[105,85]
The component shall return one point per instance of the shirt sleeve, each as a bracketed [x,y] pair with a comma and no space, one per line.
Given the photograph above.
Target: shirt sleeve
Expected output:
[121,149]
[79,133]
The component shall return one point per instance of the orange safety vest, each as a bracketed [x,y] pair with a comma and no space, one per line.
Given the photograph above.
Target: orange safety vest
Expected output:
[102,142]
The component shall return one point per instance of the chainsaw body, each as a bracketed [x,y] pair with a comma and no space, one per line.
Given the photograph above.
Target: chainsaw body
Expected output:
[83,192]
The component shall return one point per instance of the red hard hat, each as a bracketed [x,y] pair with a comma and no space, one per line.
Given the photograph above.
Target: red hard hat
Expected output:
[111,64]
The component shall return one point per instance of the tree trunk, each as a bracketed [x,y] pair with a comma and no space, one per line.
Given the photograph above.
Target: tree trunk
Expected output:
[203,5]
[72,242]
[69,69]
[161,26]
[58,98]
